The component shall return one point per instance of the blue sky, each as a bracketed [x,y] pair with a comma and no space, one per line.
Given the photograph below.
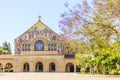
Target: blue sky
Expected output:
[16,16]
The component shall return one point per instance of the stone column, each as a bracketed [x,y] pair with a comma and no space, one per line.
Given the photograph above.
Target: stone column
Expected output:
[74,68]
[37,67]
[4,67]
[45,66]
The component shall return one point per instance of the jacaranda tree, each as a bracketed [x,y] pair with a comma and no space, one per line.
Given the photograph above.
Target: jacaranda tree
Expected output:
[95,27]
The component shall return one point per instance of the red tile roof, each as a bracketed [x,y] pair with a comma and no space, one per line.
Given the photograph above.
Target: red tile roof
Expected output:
[7,57]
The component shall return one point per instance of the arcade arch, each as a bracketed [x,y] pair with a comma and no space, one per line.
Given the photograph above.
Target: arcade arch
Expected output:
[52,67]
[8,67]
[39,67]
[69,67]
[26,67]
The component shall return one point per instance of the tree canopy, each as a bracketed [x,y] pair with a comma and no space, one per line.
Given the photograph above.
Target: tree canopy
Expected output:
[95,27]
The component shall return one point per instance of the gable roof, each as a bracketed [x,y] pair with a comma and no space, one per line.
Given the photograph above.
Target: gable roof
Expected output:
[7,57]
[39,26]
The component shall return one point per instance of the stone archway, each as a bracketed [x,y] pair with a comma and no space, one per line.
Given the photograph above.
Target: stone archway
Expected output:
[69,67]
[52,64]
[52,67]
[8,67]
[1,67]
[26,67]
[39,67]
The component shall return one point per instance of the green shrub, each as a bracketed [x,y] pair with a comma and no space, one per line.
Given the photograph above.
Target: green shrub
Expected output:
[82,70]
[119,72]
[113,72]
[104,72]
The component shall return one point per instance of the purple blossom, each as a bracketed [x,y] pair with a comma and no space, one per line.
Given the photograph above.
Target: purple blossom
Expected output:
[66,4]
[62,29]
[79,6]
[62,15]
[62,22]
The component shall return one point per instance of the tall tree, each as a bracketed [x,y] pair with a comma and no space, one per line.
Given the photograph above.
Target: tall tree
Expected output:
[9,48]
[6,47]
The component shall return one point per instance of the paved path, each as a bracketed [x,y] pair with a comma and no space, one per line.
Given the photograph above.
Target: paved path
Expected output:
[54,76]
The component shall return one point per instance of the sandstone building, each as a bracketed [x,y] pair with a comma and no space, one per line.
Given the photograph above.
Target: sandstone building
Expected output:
[39,49]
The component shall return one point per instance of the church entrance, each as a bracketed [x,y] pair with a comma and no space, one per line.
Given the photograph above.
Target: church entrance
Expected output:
[26,67]
[69,67]
[39,67]
[52,67]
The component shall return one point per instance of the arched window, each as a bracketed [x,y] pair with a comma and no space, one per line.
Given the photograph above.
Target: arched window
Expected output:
[54,47]
[28,47]
[23,47]
[62,48]
[39,46]
[48,47]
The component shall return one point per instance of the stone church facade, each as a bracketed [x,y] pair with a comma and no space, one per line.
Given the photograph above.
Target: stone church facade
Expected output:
[39,49]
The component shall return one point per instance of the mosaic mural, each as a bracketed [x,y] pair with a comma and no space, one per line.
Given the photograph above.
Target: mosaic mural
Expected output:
[33,33]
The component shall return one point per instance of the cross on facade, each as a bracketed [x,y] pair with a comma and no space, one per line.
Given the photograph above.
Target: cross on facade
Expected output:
[39,17]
